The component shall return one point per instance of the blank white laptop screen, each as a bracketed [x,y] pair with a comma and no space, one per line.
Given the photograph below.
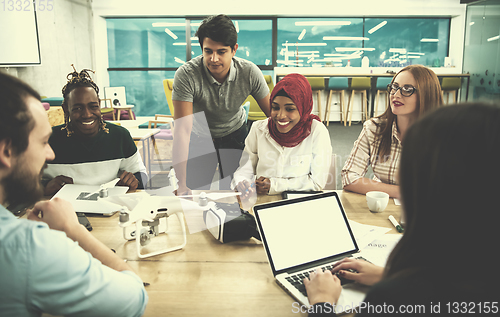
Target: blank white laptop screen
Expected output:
[305,231]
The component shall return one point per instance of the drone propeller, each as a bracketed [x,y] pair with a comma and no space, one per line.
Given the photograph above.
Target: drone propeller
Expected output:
[212,196]
[107,185]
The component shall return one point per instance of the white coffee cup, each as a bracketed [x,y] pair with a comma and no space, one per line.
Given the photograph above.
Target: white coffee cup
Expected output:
[377,201]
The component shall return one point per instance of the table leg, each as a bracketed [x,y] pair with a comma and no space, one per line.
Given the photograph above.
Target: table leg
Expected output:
[149,162]
[146,161]
[467,91]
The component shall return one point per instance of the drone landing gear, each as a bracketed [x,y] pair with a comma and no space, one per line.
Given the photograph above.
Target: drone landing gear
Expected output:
[154,236]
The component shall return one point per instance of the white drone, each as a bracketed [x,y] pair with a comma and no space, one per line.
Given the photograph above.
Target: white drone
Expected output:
[149,213]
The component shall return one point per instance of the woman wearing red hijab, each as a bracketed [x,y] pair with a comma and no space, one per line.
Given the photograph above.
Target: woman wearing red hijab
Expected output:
[290,150]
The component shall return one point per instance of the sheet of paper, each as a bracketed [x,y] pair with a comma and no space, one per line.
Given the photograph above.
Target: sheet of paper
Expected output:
[365,233]
[397,202]
[378,250]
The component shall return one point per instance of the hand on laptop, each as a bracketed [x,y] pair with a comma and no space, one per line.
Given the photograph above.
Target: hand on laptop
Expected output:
[57,183]
[367,273]
[322,287]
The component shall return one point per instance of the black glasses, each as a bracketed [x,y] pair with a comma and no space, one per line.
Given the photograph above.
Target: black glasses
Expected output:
[406,90]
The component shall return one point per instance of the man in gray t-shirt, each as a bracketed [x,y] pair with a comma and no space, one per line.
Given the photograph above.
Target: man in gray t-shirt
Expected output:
[215,83]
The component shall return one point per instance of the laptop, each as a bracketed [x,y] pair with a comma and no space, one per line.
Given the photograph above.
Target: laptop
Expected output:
[303,234]
[85,198]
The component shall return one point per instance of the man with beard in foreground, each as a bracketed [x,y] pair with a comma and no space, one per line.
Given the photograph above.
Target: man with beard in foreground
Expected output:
[50,263]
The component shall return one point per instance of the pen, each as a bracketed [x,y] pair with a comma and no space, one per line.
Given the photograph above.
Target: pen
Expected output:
[396,224]
[251,186]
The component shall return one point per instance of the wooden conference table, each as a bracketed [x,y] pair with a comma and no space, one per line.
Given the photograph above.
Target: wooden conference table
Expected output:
[208,278]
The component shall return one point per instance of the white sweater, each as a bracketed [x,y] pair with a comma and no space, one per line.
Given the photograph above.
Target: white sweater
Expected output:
[303,167]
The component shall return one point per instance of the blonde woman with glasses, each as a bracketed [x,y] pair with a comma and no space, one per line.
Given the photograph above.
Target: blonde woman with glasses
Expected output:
[414,91]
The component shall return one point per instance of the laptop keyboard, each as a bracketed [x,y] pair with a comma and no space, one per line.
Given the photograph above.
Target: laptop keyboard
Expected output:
[297,279]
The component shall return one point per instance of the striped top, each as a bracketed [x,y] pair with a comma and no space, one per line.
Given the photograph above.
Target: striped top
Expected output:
[93,160]
[365,153]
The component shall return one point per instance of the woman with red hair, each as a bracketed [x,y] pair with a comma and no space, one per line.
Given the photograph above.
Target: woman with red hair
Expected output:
[290,150]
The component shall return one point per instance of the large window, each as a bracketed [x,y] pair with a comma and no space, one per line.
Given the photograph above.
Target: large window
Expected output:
[482,50]
[144,89]
[340,42]
[400,42]
[255,40]
[144,51]
[146,43]
[318,42]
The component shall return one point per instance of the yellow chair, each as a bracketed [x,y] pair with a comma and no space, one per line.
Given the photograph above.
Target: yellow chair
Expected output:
[108,107]
[317,86]
[168,86]
[255,113]
[361,85]
[451,85]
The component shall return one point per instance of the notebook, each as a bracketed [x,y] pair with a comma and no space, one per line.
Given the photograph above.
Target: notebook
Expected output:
[302,234]
[78,196]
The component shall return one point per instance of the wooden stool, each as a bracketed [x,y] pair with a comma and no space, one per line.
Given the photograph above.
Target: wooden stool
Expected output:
[382,83]
[317,86]
[127,108]
[361,85]
[451,85]
[336,85]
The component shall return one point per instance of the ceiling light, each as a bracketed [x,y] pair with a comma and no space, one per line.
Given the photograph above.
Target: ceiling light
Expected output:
[398,50]
[429,40]
[308,52]
[301,36]
[178,60]
[378,26]
[305,55]
[237,26]
[494,38]
[352,49]
[175,37]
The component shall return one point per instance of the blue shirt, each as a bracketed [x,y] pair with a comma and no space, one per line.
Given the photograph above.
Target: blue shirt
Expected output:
[43,271]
